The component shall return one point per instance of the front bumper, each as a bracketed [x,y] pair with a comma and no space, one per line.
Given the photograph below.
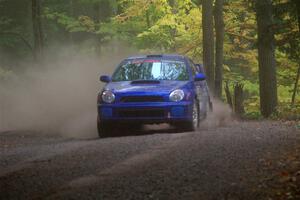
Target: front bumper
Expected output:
[152,112]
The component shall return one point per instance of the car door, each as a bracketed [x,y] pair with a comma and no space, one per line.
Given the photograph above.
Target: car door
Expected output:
[197,84]
[201,91]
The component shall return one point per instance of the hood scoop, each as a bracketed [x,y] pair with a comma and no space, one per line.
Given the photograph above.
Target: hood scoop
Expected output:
[145,82]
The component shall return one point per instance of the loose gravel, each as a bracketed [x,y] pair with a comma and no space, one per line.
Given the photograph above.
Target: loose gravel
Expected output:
[212,163]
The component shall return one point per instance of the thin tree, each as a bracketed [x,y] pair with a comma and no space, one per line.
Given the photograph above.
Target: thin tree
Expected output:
[208,40]
[219,28]
[114,5]
[266,57]
[173,5]
[37,29]
[297,3]
[71,13]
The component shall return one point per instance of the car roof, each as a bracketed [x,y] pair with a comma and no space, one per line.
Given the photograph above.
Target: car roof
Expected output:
[158,56]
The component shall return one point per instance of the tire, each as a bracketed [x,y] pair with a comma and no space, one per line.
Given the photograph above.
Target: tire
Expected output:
[204,106]
[104,129]
[208,110]
[210,104]
[192,125]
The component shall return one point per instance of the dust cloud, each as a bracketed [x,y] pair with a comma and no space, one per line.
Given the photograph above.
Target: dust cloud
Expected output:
[58,96]
[221,116]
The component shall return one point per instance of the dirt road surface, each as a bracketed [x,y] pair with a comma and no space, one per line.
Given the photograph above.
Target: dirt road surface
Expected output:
[214,163]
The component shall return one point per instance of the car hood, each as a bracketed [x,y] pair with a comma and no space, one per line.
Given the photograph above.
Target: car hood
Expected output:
[160,86]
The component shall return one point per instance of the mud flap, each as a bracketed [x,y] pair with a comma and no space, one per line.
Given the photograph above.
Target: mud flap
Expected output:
[211,108]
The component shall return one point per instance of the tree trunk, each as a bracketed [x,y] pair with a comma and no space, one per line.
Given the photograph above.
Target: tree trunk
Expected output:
[173,5]
[37,29]
[208,40]
[148,19]
[228,94]
[97,12]
[103,10]
[295,86]
[266,57]
[70,34]
[114,7]
[238,96]
[297,3]
[219,27]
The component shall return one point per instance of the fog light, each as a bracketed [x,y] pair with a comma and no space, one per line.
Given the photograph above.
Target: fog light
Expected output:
[106,112]
[177,111]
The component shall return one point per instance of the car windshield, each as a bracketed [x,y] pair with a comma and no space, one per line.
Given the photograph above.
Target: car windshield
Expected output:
[151,70]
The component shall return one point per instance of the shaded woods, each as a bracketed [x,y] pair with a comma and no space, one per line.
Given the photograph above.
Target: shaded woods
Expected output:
[251,43]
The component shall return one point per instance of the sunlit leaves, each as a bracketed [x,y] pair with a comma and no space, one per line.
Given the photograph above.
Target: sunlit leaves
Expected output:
[171,28]
[80,24]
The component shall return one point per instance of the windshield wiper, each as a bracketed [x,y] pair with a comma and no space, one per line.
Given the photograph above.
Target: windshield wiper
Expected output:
[145,82]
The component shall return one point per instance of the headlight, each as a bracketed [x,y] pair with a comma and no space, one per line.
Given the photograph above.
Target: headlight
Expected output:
[177,95]
[108,96]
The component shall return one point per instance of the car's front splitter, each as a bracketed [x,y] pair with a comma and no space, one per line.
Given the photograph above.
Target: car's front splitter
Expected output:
[158,112]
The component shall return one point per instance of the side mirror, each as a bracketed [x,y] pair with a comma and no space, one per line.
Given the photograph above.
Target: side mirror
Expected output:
[200,67]
[105,79]
[200,77]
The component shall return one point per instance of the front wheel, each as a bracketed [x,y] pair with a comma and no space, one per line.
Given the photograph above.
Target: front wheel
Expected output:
[104,129]
[195,122]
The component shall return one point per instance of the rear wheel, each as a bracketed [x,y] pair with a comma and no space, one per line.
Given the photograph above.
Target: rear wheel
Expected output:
[211,106]
[203,109]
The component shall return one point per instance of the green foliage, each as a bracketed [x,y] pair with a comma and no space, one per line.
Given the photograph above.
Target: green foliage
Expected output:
[287,112]
[254,115]
[158,26]
[81,24]
[239,49]
[4,22]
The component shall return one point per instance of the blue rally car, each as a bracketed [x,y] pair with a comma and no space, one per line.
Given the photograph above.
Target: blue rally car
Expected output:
[154,89]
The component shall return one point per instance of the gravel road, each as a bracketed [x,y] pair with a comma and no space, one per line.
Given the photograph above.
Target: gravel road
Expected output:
[213,163]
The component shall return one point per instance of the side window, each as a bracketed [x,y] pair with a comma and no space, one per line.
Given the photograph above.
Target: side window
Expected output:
[193,67]
[201,68]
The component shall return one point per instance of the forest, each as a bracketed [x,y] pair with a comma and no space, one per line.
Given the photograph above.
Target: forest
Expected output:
[250,47]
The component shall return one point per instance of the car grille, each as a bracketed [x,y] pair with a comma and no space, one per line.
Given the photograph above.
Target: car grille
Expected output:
[142,99]
[137,113]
